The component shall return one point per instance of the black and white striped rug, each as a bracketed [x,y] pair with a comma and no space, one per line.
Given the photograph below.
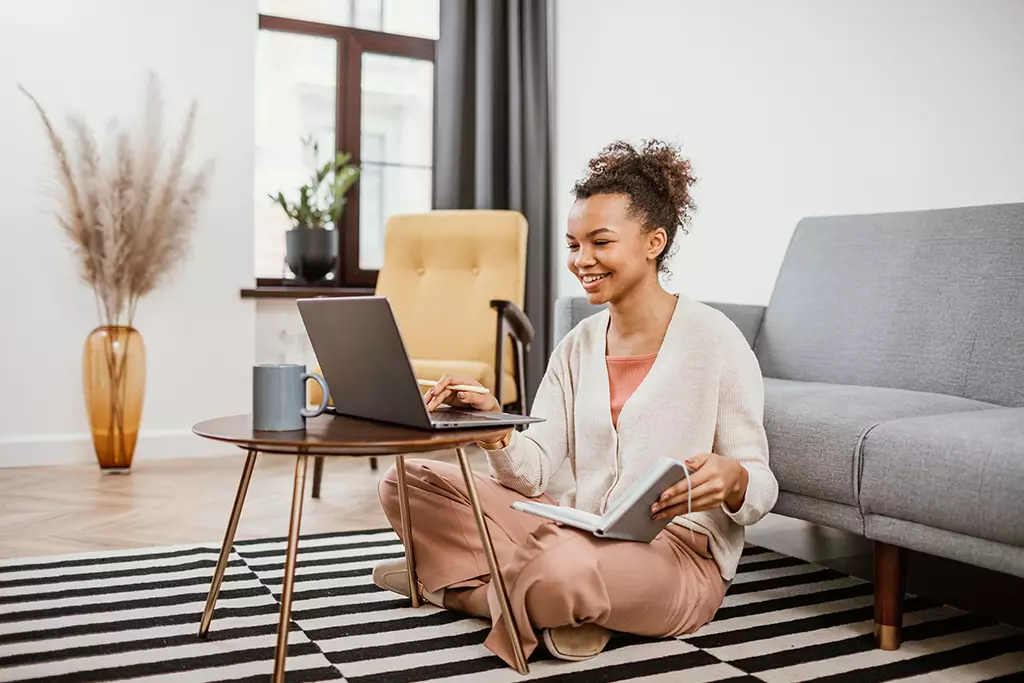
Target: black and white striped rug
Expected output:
[124,615]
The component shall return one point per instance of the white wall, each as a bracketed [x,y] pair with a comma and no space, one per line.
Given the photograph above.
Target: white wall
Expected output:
[92,57]
[792,108]
[280,335]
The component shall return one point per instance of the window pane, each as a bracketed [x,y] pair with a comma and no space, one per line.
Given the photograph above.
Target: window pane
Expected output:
[412,17]
[384,191]
[337,12]
[295,98]
[396,146]
[397,104]
[369,14]
[405,17]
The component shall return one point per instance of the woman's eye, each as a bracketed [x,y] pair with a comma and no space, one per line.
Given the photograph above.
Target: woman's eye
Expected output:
[573,247]
[601,243]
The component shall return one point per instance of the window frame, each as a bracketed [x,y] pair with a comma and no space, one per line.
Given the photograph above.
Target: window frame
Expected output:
[352,44]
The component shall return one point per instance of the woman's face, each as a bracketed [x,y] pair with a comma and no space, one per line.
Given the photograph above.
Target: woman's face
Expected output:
[610,252]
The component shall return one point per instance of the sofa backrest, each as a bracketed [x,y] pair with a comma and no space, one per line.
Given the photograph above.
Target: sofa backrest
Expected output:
[570,310]
[925,300]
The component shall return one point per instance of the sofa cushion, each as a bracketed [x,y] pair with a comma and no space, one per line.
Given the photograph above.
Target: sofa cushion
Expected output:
[922,300]
[962,473]
[814,430]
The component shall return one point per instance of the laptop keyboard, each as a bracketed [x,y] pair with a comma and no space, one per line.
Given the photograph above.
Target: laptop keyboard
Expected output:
[452,415]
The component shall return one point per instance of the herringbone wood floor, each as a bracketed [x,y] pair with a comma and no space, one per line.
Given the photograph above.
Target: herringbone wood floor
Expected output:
[67,509]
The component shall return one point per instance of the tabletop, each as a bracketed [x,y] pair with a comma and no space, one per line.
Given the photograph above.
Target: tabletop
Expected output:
[341,435]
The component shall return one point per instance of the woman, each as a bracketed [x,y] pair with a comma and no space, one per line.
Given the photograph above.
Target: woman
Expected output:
[653,374]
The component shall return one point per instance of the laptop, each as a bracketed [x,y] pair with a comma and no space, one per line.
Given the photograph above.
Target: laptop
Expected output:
[363,358]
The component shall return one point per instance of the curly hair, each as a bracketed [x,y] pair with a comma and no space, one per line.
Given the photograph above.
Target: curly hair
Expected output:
[655,177]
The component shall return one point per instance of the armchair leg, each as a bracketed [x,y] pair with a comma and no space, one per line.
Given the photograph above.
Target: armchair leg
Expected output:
[890,583]
[373,464]
[318,474]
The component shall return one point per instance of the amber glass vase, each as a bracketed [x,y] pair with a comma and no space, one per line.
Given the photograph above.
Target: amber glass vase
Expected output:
[114,378]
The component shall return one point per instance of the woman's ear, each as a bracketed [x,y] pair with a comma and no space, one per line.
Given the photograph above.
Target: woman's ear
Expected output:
[656,241]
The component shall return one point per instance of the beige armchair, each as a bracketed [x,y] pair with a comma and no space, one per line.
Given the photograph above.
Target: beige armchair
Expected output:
[456,281]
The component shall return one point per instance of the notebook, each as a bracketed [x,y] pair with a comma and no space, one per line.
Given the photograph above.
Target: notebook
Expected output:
[629,519]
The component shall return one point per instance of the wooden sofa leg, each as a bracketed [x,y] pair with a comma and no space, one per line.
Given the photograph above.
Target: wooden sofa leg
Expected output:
[890,583]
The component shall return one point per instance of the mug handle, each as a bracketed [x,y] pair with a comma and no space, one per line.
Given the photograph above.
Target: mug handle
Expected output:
[323,401]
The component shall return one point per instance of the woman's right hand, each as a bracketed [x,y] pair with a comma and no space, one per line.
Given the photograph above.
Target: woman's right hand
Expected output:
[440,393]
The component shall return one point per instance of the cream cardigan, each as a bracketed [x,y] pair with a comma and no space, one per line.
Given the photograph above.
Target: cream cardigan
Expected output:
[704,394]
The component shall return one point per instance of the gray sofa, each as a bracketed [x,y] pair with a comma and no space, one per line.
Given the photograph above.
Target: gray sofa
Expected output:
[892,350]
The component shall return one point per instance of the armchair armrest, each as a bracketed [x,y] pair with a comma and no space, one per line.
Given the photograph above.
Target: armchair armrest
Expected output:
[519,325]
[511,320]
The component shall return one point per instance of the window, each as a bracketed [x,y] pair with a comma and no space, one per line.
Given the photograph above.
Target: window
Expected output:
[358,77]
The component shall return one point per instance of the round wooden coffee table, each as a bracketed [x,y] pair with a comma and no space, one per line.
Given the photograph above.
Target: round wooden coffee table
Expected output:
[331,435]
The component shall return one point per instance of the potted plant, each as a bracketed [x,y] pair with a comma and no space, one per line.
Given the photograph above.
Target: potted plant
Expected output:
[312,245]
[129,217]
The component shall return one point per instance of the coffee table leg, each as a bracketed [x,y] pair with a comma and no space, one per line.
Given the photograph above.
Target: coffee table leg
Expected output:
[225,548]
[403,507]
[492,563]
[288,587]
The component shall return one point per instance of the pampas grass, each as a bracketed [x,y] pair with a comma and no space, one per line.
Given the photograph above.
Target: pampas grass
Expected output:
[129,216]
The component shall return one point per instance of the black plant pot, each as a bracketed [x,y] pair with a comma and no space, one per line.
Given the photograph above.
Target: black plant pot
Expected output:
[312,253]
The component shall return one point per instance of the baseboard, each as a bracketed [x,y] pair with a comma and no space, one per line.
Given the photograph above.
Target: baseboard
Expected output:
[70,449]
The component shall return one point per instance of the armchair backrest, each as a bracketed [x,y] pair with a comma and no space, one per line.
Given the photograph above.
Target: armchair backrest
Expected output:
[442,269]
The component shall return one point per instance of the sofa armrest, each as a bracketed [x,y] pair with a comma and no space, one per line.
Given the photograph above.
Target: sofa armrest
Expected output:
[518,324]
[747,317]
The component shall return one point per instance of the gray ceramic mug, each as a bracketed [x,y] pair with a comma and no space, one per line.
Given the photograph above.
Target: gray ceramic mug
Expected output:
[279,397]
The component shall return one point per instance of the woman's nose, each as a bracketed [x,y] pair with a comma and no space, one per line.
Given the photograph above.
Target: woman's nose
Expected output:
[584,258]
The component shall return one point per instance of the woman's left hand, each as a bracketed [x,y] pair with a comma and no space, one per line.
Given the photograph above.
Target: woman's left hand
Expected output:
[714,479]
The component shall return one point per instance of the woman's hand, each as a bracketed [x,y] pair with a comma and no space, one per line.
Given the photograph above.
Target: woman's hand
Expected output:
[440,393]
[714,479]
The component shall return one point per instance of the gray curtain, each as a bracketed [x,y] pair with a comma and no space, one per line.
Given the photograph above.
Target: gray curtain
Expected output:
[492,133]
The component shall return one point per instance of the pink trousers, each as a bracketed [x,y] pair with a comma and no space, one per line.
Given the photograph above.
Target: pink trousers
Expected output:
[555,575]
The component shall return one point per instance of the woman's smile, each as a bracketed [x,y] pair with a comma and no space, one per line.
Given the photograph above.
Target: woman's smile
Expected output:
[591,282]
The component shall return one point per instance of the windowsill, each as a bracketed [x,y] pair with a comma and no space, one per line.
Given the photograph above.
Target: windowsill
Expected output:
[300,292]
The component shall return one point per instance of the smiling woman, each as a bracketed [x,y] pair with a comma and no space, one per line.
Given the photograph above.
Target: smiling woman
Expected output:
[629,208]
[653,374]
